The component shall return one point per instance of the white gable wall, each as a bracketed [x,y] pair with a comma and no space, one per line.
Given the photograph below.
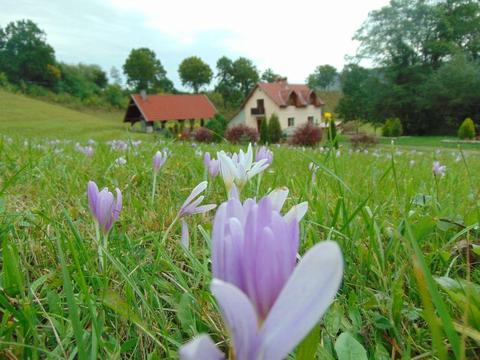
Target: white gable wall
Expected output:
[300,114]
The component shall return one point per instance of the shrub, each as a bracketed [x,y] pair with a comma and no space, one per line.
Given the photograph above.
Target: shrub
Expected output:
[203,135]
[3,80]
[332,133]
[274,129]
[307,134]
[467,129]
[350,127]
[362,140]
[240,134]
[392,128]
[184,134]
[218,125]
[264,131]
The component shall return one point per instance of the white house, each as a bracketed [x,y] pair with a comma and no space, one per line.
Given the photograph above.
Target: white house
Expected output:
[294,105]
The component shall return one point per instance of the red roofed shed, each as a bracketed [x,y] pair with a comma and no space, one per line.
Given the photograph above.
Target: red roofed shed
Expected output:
[164,108]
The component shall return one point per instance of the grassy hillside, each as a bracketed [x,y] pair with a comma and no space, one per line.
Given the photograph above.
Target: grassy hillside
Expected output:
[23,116]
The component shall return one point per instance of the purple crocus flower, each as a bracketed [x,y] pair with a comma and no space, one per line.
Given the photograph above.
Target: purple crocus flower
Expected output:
[212,165]
[438,169]
[105,208]
[159,160]
[264,153]
[192,206]
[268,302]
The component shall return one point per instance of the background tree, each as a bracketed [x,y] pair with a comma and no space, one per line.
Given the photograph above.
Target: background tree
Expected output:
[426,55]
[270,76]
[245,75]
[145,72]
[195,73]
[25,54]
[274,129]
[323,77]
[115,76]
[264,138]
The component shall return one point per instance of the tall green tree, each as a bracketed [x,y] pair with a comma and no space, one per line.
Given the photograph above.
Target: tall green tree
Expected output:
[25,54]
[145,72]
[245,74]
[270,76]
[323,77]
[415,46]
[195,73]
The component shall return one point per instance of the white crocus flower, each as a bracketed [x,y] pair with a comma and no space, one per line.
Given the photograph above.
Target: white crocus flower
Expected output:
[239,168]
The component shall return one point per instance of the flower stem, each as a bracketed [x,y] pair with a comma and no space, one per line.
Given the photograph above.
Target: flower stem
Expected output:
[154,185]
[165,235]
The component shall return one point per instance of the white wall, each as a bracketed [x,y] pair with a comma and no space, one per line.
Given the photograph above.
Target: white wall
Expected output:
[300,114]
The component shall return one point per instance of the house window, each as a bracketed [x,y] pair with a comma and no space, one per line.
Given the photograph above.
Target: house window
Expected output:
[291,122]
[310,120]
[260,104]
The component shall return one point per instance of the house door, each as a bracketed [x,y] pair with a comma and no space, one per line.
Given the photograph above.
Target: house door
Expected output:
[259,122]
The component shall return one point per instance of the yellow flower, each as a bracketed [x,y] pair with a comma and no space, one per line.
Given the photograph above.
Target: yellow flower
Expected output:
[327,115]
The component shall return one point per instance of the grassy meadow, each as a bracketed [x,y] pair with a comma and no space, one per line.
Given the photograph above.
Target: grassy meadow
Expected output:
[409,240]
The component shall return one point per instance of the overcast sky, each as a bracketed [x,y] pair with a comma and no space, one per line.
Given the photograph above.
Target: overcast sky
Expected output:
[291,37]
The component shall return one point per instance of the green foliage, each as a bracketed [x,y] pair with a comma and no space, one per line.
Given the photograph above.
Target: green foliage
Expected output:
[145,72]
[428,71]
[274,129]
[270,76]
[3,80]
[467,129]
[218,125]
[264,136]
[332,133]
[392,128]
[25,54]
[195,73]
[323,77]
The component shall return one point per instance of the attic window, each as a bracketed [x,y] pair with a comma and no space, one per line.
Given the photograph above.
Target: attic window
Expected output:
[291,122]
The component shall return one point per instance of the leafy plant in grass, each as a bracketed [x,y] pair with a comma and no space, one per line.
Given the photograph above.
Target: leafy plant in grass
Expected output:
[264,138]
[363,140]
[467,129]
[241,134]
[307,134]
[392,128]
[332,133]
[274,129]
[218,125]
[203,135]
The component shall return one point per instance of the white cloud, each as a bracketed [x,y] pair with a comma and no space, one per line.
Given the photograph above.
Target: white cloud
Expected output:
[290,37]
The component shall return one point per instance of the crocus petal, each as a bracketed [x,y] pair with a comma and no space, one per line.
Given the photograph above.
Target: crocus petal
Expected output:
[203,209]
[297,212]
[92,193]
[240,317]
[185,234]
[278,197]
[105,209]
[195,192]
[200,348]
[233,193]
[302,302]
[206,159]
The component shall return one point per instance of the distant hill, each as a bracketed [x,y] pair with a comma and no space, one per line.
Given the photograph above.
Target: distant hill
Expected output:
[23,116]
[331,99]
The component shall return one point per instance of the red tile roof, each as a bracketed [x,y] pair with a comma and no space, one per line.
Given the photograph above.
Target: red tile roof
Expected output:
[174,107]
[280,92]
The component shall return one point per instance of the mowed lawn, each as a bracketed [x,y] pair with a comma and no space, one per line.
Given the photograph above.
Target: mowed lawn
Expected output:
[26,117]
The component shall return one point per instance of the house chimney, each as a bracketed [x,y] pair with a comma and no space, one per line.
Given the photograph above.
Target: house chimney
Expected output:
[281,80]
[143,95]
